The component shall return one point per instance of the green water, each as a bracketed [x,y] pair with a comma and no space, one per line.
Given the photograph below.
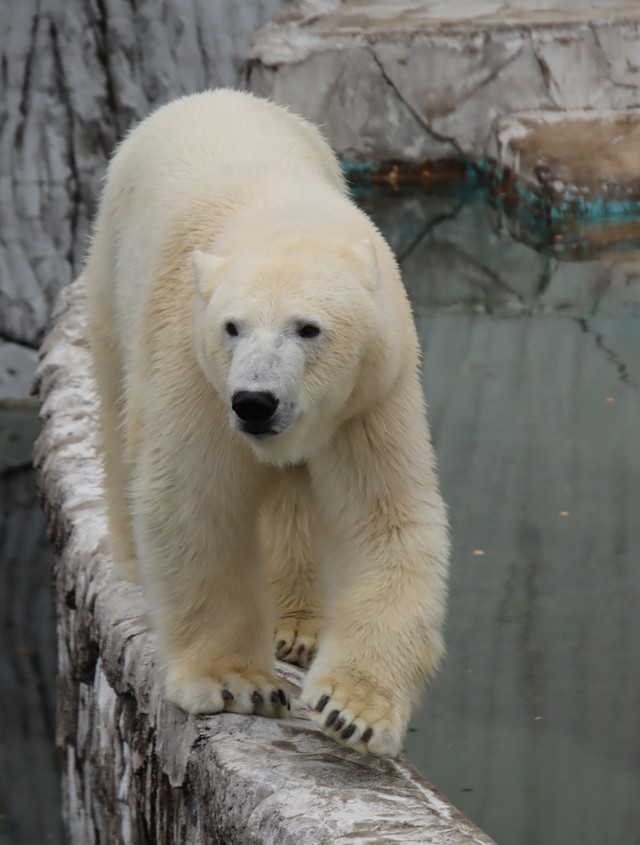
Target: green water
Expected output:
[532,375]
[29,765]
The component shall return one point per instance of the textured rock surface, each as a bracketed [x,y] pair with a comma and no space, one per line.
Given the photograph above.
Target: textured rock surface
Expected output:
[75,76]
[572,163]
[17,366]
[415,81]
[137,770]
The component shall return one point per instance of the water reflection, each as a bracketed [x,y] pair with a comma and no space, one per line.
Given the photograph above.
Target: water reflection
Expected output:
[532,727]
[29,771]
[457,256]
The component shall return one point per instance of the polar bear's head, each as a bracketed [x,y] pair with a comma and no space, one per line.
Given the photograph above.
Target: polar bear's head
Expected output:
[282,335]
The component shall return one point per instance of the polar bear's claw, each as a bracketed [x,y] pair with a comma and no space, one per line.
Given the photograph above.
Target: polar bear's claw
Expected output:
[331,718]
[296,640]
[358,717]
[348,732]
[234,693]
[279,696]
[322,703]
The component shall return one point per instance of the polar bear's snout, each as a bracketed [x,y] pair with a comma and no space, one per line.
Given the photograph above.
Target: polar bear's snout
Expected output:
[265,382]
[255,409]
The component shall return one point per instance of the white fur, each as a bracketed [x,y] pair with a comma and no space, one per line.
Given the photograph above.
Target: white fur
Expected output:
[224,209]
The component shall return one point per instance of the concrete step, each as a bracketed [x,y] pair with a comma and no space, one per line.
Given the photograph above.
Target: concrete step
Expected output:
[552,165]
[424,81]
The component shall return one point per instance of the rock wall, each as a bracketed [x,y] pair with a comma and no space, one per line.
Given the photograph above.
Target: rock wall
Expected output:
[425,81]
[139,771]
[75,76]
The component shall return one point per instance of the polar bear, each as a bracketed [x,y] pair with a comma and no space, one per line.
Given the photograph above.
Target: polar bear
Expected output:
[267,459]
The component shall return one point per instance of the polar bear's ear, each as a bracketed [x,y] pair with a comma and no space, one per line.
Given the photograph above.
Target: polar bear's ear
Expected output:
[366,253]
[205,267]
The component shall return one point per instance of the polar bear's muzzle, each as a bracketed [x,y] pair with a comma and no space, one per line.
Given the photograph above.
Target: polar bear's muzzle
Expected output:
[265,383]
[255,409]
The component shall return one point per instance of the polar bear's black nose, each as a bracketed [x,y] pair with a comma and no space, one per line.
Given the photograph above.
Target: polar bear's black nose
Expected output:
[254,406]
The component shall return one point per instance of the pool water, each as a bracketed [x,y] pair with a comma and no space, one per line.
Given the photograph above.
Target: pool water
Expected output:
[532,375]
[29,766]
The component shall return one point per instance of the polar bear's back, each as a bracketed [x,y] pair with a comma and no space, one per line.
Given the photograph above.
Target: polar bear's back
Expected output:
[190,139]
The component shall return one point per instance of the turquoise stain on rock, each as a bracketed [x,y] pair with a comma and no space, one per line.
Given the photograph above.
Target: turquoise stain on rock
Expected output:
[504,188]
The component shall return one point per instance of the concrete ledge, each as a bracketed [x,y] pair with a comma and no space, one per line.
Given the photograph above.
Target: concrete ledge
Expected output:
[137,770]
[575,164]
[417,82]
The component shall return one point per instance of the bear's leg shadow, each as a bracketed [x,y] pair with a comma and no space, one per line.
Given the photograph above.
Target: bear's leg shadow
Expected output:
[286,541]
[197,539]
[384,552]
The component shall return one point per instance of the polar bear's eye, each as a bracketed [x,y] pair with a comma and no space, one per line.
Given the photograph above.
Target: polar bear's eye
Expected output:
[231,329]
[308,330]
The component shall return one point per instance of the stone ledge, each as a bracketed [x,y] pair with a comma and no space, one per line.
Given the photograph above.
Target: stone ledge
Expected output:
[576,164]
[417,82]
[138,770]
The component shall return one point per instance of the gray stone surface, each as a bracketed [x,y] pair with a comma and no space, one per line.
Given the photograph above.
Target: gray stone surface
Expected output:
[415,81]
[137,769]
[17,366]
[76,75]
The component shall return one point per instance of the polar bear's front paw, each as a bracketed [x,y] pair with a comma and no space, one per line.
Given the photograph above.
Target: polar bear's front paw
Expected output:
[296,638]
[232,692]
[354,712]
